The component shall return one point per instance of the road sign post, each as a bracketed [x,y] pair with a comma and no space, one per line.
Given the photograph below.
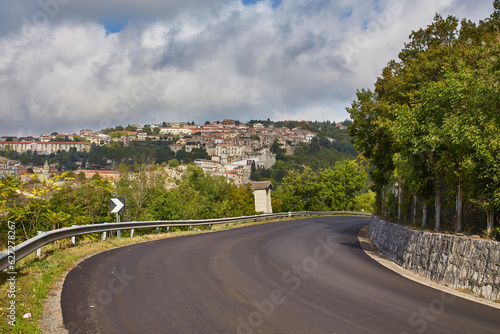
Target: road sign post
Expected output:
[117,205]
[119,232]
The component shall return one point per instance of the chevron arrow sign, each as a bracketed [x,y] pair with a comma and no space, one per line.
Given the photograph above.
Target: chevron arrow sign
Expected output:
[117,205]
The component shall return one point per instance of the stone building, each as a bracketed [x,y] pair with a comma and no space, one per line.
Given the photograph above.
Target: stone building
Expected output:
[262,195]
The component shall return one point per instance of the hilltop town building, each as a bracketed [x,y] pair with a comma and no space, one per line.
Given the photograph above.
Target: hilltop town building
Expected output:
[41,147]
[234,147]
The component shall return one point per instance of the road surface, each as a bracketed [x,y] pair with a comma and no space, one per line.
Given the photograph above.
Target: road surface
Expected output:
[303,276]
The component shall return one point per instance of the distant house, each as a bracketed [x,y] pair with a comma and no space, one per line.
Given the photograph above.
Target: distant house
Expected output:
[176,131]
[210,167]
[125,140]
[258,126]
[142,136]
[176,147]
[46,138]
[28,139]
[235,176]
[8,138]
[105,174]
[85,132]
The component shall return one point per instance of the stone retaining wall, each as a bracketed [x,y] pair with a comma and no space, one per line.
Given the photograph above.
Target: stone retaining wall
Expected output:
[458,262]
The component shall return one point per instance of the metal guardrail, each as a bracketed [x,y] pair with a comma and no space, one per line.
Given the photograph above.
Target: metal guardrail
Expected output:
[29,246]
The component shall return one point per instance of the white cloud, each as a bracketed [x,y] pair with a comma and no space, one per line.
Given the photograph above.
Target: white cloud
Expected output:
[197,60]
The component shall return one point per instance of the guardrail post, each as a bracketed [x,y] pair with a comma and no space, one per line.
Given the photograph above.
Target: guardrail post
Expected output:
[168,229]
[157,230]
[289,215]
[209,227]
[132,233]
[104,234]
[39,250]
[73,240]
[191,227]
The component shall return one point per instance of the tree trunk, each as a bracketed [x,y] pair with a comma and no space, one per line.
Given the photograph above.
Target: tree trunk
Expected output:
[400,200]
[414,208]
[490,221]
[459,208]
[424,214]
[438,206]
[383,201]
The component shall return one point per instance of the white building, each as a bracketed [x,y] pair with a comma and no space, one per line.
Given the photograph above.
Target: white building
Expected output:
[175,131]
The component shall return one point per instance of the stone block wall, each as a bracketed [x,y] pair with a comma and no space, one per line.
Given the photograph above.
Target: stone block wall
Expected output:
[459,262]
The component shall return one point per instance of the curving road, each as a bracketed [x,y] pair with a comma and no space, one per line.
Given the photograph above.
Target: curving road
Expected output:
[304,276]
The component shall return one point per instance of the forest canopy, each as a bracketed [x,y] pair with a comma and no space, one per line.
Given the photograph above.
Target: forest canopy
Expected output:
[430,126]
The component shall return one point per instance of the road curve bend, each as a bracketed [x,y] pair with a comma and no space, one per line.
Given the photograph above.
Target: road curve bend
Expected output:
[302,276]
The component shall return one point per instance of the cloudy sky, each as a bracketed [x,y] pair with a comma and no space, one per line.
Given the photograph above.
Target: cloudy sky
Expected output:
[66,65]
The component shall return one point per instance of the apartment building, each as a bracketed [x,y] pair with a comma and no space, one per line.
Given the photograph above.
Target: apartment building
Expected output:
[41,147]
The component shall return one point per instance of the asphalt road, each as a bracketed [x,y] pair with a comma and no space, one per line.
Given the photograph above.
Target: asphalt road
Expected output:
[304,276]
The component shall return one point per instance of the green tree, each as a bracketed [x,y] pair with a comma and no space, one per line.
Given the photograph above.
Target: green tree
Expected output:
[81,177]
[301,191]
[173,163]
[131,128]
[138,184]
[147,129]
[428,125]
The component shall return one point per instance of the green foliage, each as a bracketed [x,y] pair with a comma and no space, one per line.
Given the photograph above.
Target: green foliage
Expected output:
[431,124]
[147,129]
[136,152]
[173,163]
[331,146]
[202,197]
[29,205]
[81,177]
[316,156]
[131,128]
[139,184]
[328,190]
[189,157]
[47,205]
[364,202]
[294,124]
[86,204]
[110,130]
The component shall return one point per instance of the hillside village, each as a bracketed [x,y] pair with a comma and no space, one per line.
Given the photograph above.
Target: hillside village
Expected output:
[232,146]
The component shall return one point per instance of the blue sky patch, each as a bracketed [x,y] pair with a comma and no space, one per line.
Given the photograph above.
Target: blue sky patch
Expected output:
[274,3]
[114,26]
[346,14]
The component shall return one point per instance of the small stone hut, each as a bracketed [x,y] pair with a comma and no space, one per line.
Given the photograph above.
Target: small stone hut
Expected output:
[262,195]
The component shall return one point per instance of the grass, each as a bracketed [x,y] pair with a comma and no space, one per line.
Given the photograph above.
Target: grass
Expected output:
[37,275]
[466,290]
